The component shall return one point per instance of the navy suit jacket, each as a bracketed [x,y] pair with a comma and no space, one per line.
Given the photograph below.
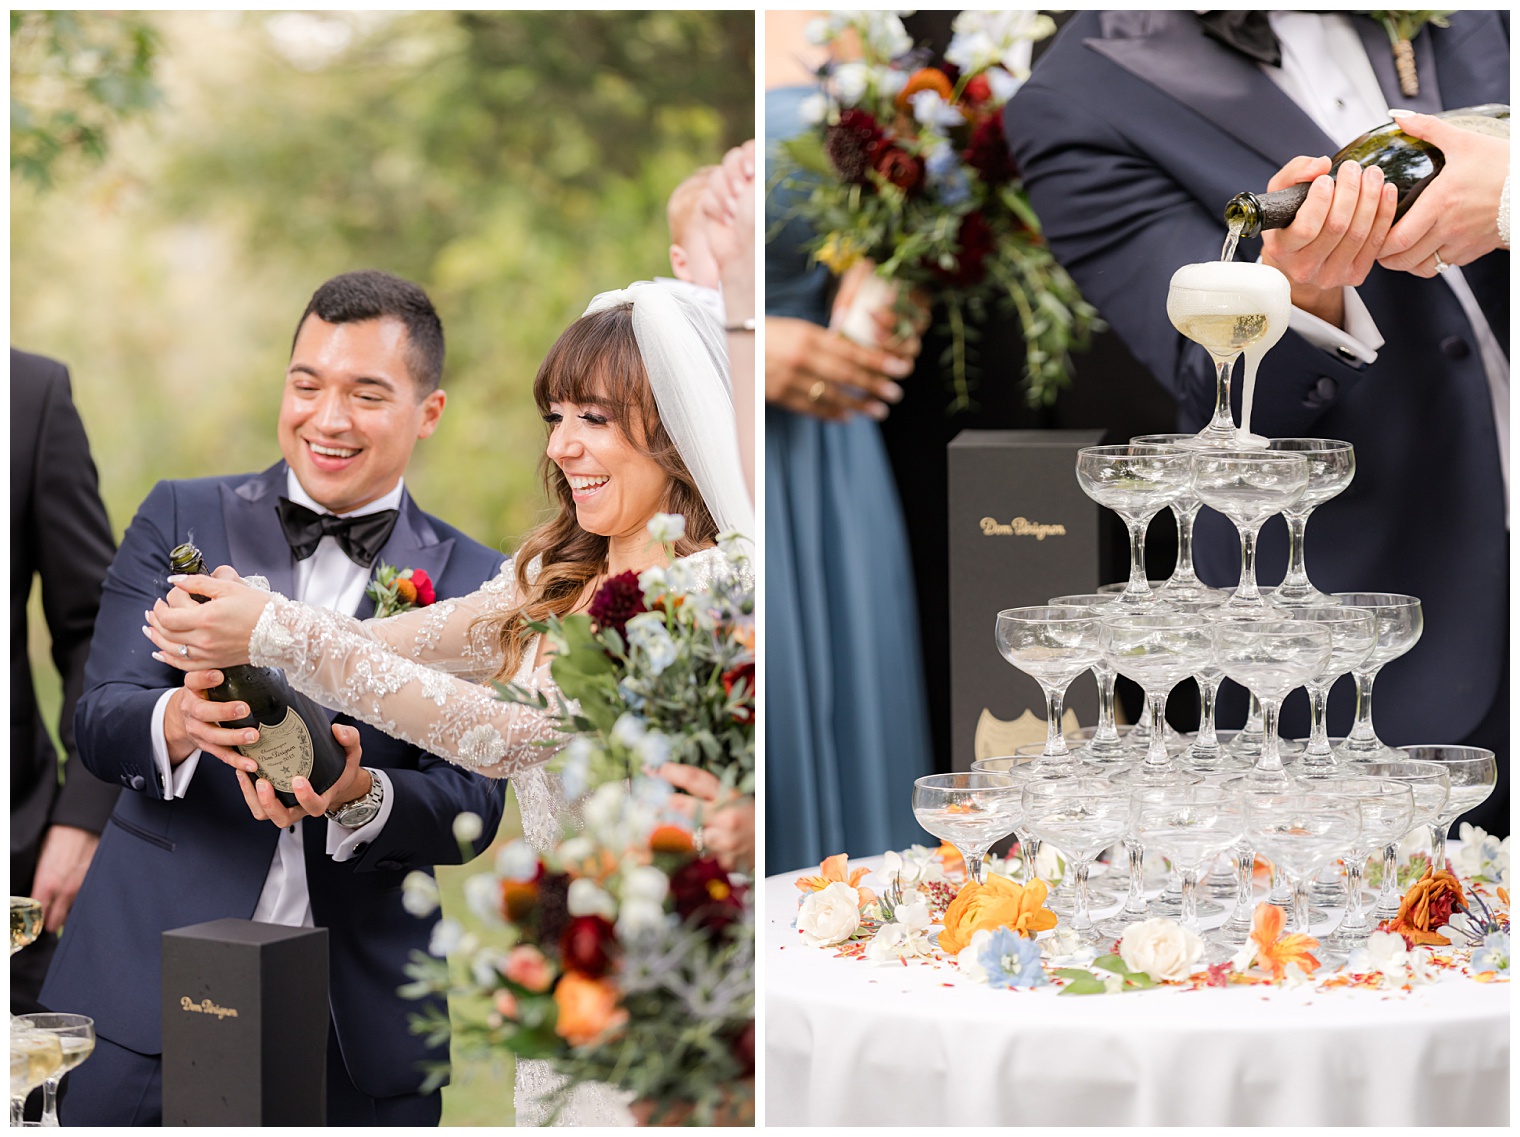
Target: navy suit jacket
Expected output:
[1132,133]
[164,864]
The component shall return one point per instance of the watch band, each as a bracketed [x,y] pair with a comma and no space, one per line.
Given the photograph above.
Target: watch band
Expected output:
[363,809]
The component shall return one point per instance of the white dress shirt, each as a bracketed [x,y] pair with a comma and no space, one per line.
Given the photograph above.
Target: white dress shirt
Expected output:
[326,579]
[1325,71]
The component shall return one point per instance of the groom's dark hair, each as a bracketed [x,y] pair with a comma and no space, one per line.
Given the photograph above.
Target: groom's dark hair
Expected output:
[369,295]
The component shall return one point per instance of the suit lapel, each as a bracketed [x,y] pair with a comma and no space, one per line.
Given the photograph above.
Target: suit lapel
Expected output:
[1169,51]
[255,541]
[412,544]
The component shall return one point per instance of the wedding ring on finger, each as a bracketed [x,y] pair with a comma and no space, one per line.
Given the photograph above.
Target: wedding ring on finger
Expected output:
[1441,266]
[698,842]
[184,651]
[816,391]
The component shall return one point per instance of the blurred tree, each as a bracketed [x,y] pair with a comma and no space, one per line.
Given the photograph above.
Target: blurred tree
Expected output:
[74,75]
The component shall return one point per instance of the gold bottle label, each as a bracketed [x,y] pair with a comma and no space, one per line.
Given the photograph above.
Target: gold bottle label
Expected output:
[283,751]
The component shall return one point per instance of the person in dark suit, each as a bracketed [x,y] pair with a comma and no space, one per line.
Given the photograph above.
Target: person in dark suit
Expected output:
[60,532]
[1132,133]
[184,845]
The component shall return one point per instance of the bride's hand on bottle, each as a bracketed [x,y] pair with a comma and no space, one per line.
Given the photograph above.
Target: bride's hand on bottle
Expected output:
[193,636]
[728,822]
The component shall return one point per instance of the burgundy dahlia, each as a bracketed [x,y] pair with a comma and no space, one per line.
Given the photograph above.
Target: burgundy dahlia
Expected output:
[899,167]
[851,144]
[619,600]
[988,152]
[553,906]
[702,890]
[586,945]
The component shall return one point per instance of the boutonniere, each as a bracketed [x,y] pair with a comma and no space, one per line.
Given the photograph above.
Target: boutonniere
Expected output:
[1402,27]
[395,591]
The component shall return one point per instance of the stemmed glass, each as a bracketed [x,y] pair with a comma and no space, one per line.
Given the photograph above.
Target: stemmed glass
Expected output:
[1105,745]
[1353,635]
[36,1056]
[1205,755]
[1081,817]
[973,811]
[1387,813]
[1332,465]
[1473,772]
[1136,482]
[1430,783]
[1190,826]
[1183,584]
[1135,907]
[1248,486]
[26,921]
[1228,306]
[1270,658]
[1157,652]
[1054,646]
[76,1040]
[1299,832]
[1400,620]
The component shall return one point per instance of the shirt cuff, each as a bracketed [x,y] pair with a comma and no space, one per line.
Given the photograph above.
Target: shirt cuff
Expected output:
[1357,344]
[344,844]
[175,780]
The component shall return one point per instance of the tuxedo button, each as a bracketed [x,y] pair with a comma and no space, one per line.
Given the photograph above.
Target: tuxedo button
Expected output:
[1456,347]
[1321,393]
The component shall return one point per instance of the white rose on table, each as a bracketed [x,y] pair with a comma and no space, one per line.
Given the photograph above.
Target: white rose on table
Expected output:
[829,916]
[1161,948]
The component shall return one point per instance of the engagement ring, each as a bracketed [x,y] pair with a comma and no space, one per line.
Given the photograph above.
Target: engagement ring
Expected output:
[1441,266]
[184,651]
[815,392]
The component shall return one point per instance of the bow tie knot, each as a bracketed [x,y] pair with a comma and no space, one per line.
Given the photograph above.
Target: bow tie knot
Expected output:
[361,538]
[1248,32]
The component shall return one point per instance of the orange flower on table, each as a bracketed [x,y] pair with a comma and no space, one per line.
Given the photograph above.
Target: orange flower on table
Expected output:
[1427,905]
[998,903]
[588,1009]
[1275,950]
[950,858]
[833,870]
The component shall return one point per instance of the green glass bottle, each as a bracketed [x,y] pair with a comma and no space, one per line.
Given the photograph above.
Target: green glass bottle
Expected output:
[295,735]
[1408,163]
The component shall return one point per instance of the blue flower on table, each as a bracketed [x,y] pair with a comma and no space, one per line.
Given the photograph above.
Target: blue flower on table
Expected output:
[1494,954]
[1010,960]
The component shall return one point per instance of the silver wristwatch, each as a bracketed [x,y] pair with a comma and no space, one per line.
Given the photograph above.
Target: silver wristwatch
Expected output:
[362,810]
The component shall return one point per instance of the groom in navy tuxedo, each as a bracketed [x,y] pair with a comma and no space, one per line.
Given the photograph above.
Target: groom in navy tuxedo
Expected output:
[1134,130]
[182,846]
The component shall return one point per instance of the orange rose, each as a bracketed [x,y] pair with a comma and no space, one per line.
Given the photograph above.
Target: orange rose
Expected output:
[517,899]
[925,79]
[406,591]
[999,903]
[588,1009]
[1427,905]
[671,839]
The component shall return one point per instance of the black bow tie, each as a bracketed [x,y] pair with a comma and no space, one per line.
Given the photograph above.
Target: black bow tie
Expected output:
[361,538]
[1249,33]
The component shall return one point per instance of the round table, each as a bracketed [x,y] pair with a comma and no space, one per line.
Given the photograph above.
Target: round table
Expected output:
[851,1042]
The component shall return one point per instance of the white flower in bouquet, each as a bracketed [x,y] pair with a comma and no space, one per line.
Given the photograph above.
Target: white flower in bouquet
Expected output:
[735,545]
[652,582]
[680,578]
[648,633]
[667,528]
[883,34]
[576,849]
[851,81]
[486,965]
[645,882]
[516,860]
[1003,84]
[931,110]
[829,916]
[467,827]
[653,749]
[983,38]
[482,892]
[638,917]
[587,898]
[817,32]
[628,730]
[448,935]
[1161,948]
[419,893]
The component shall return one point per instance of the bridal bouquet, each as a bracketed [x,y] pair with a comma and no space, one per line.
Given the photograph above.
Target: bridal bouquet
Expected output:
[629,960]
[907,165]
[658,670]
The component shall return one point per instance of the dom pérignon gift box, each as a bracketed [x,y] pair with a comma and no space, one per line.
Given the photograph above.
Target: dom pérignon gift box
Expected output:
[245,1024]
[1021,532]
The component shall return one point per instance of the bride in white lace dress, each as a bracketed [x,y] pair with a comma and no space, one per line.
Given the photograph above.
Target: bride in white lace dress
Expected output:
[640,422]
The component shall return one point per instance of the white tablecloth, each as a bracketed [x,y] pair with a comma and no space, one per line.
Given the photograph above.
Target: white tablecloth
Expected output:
[850,1042]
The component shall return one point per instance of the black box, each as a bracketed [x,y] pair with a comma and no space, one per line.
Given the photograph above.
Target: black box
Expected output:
[245,1024]
[1021,532]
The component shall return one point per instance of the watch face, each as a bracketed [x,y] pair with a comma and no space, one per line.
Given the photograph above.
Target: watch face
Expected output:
[358,815]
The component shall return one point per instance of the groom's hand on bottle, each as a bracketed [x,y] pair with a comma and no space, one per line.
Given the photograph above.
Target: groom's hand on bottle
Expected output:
[354,783]
[192,722]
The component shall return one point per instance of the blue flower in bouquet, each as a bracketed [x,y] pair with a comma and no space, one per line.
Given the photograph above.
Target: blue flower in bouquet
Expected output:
[653,749]
[1493,955]
[947,174]
[648,634]
[1010,960]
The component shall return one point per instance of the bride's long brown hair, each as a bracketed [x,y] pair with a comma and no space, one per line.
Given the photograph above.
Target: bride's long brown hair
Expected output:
[595,361]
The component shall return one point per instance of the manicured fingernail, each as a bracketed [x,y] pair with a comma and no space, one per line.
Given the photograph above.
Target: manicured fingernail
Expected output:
[147,615]
[147,631]
[1400,112]
[176,578]
[158,655]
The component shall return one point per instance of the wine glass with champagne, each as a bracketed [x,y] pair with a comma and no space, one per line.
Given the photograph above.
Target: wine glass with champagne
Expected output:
[76,1041]
[36,1055]
[26,921]
[1230,307]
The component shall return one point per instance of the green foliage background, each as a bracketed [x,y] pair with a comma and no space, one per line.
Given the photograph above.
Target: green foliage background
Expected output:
[182,182]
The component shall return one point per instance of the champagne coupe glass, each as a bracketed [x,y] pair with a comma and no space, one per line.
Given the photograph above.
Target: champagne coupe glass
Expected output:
[1136,482]
[1353,635]
[1430,783]
[1387,814]
[1400,620]
[1190,826]
[1018,767]
[1135,907]
[1081,817]
[26,921]
[1249,486]
[35,1056]
[76,1039]
[1270,658]
[1204,755]
[1183,584]
[1137,738]
[1473,772]
[1332,465]
[1299,832]
[1105,746]
[971,811]
[1157,652]
[1054,646]
[1226,306]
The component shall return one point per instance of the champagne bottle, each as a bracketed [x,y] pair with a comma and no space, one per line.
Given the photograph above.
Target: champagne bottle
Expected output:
[1407,163]
[295,735]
